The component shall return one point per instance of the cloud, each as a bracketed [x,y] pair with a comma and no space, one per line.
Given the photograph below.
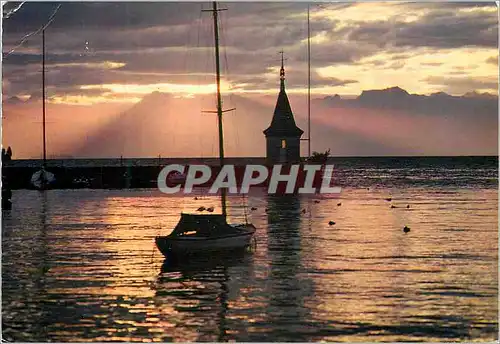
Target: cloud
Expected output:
[105,43]
[463,84]
[439,29]
[337,82]
[493,60]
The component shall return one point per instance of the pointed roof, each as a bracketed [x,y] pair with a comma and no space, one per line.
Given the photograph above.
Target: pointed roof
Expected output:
[283,123]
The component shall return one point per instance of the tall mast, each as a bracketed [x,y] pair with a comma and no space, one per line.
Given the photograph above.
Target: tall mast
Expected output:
[43,100]
[219,101]
[308,85]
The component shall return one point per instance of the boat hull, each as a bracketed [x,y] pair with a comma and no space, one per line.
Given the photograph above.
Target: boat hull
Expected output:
[192,245]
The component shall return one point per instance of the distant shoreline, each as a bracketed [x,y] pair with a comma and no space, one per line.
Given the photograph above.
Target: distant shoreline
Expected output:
[143,172]
[213,161]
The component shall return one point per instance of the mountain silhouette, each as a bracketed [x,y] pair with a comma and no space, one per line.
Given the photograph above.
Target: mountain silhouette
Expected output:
[377,122]
[440,103]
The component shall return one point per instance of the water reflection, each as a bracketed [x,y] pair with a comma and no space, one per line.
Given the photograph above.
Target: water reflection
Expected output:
[287,286]
[201,287]
[82,266]
[32,252]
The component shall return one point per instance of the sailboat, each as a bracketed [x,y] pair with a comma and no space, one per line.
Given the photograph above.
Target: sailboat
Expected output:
[43,178]
[200,233]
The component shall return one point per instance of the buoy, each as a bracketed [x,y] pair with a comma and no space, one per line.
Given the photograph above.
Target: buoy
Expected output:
[406,229]
[196,198]
[331,223]
[201,209]
[339,204]
[273,218]
[408,206]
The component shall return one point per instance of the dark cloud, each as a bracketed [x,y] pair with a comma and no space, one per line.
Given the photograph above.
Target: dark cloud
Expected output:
[77,91]
[165,41]
[103,15]
[336,82]
[440,29]
[463,84]
[22,59]
[493,60]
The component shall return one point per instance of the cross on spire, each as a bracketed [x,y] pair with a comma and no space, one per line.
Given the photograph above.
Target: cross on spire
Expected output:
[282,70]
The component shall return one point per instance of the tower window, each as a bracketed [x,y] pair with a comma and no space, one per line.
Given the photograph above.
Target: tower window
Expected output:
[283,144]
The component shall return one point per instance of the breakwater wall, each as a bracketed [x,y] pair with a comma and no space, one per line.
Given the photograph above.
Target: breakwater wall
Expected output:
[114,173]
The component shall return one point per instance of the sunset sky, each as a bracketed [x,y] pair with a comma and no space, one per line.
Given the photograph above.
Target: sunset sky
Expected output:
[118,53]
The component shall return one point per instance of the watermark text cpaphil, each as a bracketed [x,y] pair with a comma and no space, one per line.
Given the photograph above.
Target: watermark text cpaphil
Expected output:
[302,179]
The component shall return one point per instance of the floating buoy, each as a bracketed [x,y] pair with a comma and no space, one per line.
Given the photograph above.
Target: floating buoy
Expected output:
[388,199]
[211,209]
[200,209]
[196,198]
[331,223]
[273,218]
[339,204]
[406,229]
[408,206]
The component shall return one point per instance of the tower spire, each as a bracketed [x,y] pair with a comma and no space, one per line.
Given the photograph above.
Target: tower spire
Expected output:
[282,72]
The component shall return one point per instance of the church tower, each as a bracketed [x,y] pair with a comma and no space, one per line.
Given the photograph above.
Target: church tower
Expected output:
[283,135]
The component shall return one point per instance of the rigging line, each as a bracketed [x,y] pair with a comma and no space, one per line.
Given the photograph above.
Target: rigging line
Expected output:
[234,122]
[226,65]
[196,63]
[185,62]
[210,60]
[43,27]
[12,11]
[203,28]
[198,79]
[233,119]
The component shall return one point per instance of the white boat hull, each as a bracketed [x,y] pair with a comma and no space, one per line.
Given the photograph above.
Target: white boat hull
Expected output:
[42,178]
[186,245]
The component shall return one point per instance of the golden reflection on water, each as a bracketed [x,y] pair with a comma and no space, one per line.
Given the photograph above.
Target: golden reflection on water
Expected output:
[99,276]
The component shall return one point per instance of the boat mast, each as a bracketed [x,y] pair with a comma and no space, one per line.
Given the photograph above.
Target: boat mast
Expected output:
[43,100]
[308,85]
[219,101]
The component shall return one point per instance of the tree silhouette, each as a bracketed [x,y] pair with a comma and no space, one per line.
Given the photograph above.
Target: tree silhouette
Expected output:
[319,158]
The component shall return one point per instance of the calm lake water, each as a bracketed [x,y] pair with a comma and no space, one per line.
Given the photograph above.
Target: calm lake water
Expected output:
[81,265]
